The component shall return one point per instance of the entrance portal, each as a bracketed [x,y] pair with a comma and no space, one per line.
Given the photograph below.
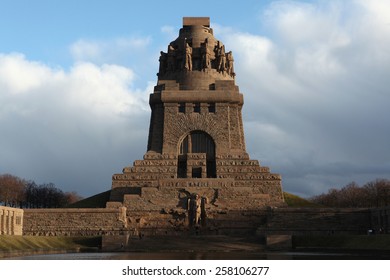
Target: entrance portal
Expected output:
[197,156]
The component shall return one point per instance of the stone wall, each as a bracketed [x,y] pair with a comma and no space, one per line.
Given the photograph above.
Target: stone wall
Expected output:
[161,223]
[268,222]
[380,219]
[171,221]
[11,221]
[307,221]
[75,222]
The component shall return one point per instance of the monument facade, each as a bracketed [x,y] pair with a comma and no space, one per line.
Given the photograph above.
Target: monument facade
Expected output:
[196,173]
[196,176]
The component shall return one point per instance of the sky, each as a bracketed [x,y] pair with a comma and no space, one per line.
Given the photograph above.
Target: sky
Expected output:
[75,78]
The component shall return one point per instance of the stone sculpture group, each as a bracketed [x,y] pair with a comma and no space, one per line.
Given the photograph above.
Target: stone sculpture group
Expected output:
[211,57]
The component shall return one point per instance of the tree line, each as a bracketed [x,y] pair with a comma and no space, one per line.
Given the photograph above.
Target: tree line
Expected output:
[18,192]
[371,195]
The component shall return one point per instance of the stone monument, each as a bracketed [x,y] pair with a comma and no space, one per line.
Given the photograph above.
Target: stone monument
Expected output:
[196,175]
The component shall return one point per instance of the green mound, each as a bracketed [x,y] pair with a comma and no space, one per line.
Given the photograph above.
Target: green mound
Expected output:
[96,201]
[296,201]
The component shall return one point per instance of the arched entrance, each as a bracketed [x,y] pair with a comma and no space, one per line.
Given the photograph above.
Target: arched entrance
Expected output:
[196,156]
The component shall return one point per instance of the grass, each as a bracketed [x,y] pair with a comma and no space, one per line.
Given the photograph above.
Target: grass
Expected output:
[96,201]
[23,243]
[296,201]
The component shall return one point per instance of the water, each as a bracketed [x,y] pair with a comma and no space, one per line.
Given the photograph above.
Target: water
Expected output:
[289,255]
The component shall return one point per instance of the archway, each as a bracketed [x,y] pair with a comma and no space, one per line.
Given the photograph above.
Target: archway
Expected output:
[196,156]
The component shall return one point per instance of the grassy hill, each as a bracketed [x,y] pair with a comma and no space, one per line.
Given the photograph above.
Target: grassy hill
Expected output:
[96,201]
[296,201]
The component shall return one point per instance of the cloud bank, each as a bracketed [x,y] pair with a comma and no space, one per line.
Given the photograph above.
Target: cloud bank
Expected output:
[317,91]
[74,128]
[314,78]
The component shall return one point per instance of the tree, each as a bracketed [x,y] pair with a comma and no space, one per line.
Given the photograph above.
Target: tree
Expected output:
[330,199]
[32,198]
[378,192]
[48,196]
[72,197]
[372,194]
[12,190]
[15,191]
[352,196]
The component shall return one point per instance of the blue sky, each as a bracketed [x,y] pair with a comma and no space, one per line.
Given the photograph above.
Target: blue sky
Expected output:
[75,78]
[45,29]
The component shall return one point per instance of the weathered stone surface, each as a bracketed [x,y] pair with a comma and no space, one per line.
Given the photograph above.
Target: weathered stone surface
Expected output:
[322,221]
[196,145]
[188,21]
[75,222]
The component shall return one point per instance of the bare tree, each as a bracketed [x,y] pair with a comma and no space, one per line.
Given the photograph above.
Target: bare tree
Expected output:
[32,198]
[48,196]
[378,192]
[372,194]
[12,190]
[72,197]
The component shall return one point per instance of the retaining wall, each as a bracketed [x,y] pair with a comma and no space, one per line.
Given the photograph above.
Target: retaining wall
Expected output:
[74,221]
[303,221]
[115,221]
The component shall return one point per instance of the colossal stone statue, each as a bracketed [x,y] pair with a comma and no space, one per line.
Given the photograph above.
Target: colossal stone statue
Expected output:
[220,52]
[188,57]
[206,55]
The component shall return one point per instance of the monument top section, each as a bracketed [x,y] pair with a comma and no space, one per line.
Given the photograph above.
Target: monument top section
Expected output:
[196,58]
[188,21]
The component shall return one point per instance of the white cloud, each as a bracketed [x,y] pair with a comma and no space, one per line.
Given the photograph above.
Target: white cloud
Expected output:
[316,91]
[103,90]
[86,50]
[18,76]
[75,128]
[110,51]
[378,12]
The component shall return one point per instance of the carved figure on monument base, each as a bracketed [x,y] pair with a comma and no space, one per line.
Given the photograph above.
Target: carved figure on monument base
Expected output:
[196,210]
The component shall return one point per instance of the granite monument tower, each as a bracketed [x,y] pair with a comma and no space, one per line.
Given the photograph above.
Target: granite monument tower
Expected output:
[196,173]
